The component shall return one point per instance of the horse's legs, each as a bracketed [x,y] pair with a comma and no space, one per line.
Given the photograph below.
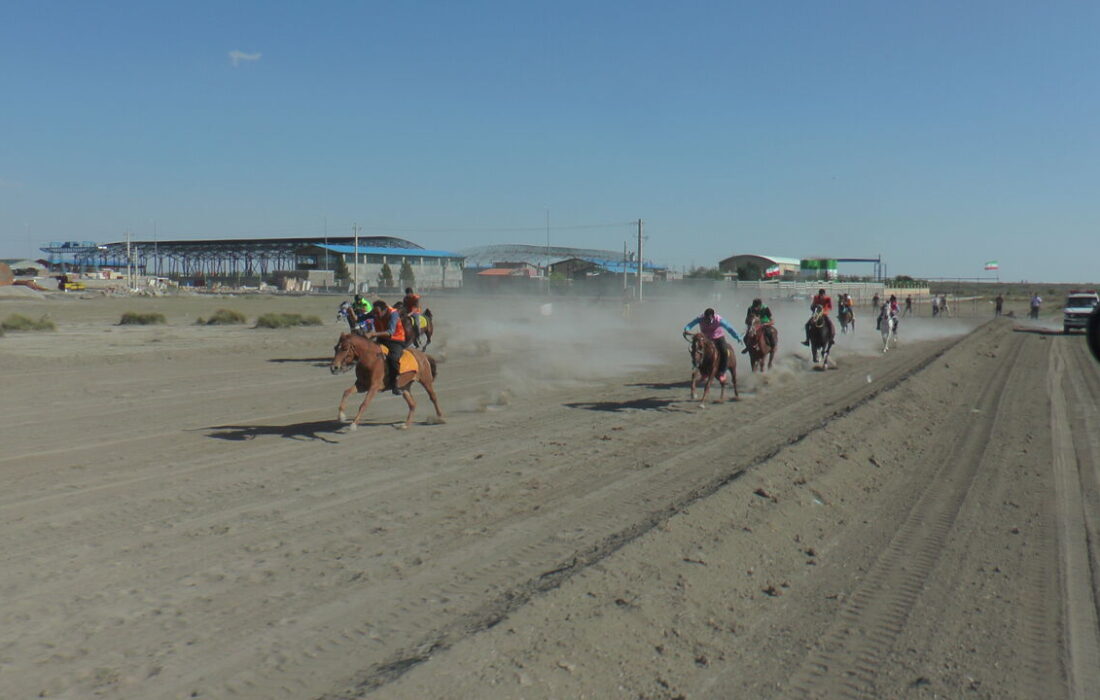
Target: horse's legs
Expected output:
[694,374]
[407,394]
[343,401]
[706,390]
[363,407]
[431,395]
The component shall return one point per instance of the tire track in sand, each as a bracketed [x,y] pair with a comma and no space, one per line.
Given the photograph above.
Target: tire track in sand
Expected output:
[1076,483]
[846,662]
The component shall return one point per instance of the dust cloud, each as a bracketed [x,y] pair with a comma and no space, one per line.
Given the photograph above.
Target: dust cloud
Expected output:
[562,342]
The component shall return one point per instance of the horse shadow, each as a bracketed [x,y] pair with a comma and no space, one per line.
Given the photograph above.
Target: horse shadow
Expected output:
[315,361]
[313,430]
[685,384]
[644,404]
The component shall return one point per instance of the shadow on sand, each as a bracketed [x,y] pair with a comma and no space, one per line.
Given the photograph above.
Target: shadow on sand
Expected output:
[646,404]
[315,361]
[686,384]
[313,430]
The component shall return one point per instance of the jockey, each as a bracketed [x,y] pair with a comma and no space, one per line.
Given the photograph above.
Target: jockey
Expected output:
[412,308]
[889,309]
[826,303]
[392,335]
[711,326]
[759,311]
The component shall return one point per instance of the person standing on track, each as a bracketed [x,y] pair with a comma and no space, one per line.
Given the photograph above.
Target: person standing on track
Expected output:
[908,304]
[825,302]
[711,325]
[1036,302]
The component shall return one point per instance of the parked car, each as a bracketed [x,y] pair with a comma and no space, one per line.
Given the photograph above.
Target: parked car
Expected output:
[1075,313]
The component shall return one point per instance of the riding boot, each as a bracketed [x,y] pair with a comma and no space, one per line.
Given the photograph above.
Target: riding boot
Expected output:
[395,374]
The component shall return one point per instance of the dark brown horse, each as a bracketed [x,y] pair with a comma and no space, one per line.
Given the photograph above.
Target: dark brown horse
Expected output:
[822,336]
[760,346]
[426,327]
[704,366]
[370,371]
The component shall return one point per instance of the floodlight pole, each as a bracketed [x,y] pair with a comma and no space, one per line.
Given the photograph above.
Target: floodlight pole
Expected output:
[355,227]
[640,257]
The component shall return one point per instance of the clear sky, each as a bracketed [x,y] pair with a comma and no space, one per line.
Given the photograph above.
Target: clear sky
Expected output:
[939,134]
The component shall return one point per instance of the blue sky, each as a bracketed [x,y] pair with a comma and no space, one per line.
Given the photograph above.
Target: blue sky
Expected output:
[938,134]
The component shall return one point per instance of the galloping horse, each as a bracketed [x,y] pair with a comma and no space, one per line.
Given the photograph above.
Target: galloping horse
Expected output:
[427,327]
[821,336]
[847,318]
[370,371]
[759,345]
[888,323]
[704,365]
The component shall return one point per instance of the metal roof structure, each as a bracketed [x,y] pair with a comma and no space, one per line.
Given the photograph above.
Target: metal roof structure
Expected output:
[546,256]
[377,250]
[222,257]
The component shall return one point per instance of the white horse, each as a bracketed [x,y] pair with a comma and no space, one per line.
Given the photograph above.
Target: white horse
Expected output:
[888,326]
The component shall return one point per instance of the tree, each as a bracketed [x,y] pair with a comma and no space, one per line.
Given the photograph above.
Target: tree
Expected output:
[408,278]
[749,272]
[385,277]
[708,273]
[341,271]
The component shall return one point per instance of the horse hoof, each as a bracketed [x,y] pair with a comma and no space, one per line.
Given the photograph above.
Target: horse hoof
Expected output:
[352,428]
[343,418]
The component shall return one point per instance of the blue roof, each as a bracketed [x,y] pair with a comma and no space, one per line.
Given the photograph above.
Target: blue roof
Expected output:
[620,266]
[373,250]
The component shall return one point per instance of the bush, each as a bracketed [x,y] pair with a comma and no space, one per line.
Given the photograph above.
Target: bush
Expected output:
[18,322]
[223,317]
[286,321]
[131,318]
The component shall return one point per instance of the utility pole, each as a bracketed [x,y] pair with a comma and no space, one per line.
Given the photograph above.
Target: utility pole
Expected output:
[129,263]
[156,255]
[356,228]
[640,258]
[325,218]
[624,270]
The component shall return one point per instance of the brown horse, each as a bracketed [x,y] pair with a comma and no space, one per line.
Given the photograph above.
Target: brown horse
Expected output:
[704,366]
[760,347]
[427,327]
[370,372]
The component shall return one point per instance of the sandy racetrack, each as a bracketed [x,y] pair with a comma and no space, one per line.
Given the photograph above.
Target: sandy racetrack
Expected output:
[184,517]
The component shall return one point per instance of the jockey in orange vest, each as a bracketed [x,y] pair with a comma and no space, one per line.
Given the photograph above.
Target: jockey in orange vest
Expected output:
[825,302]
[391,333]
[411,303]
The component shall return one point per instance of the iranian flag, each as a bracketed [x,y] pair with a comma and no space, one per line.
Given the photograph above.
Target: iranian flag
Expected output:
[772,271]
[992,265]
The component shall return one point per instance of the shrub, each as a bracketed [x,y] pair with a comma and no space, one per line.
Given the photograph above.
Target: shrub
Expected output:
[18,322]
[286,321]
[136,319]
[223,317]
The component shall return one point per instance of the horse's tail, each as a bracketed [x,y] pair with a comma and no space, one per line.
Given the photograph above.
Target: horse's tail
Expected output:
[432,363]
[428,314]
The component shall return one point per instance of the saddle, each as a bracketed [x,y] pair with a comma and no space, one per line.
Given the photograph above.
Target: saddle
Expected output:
[407,363]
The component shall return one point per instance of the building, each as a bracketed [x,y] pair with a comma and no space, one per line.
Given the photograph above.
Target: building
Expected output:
[254,260]
[788,268]
[431,269]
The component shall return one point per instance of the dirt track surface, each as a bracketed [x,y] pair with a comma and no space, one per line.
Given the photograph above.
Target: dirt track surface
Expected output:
[182,516]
